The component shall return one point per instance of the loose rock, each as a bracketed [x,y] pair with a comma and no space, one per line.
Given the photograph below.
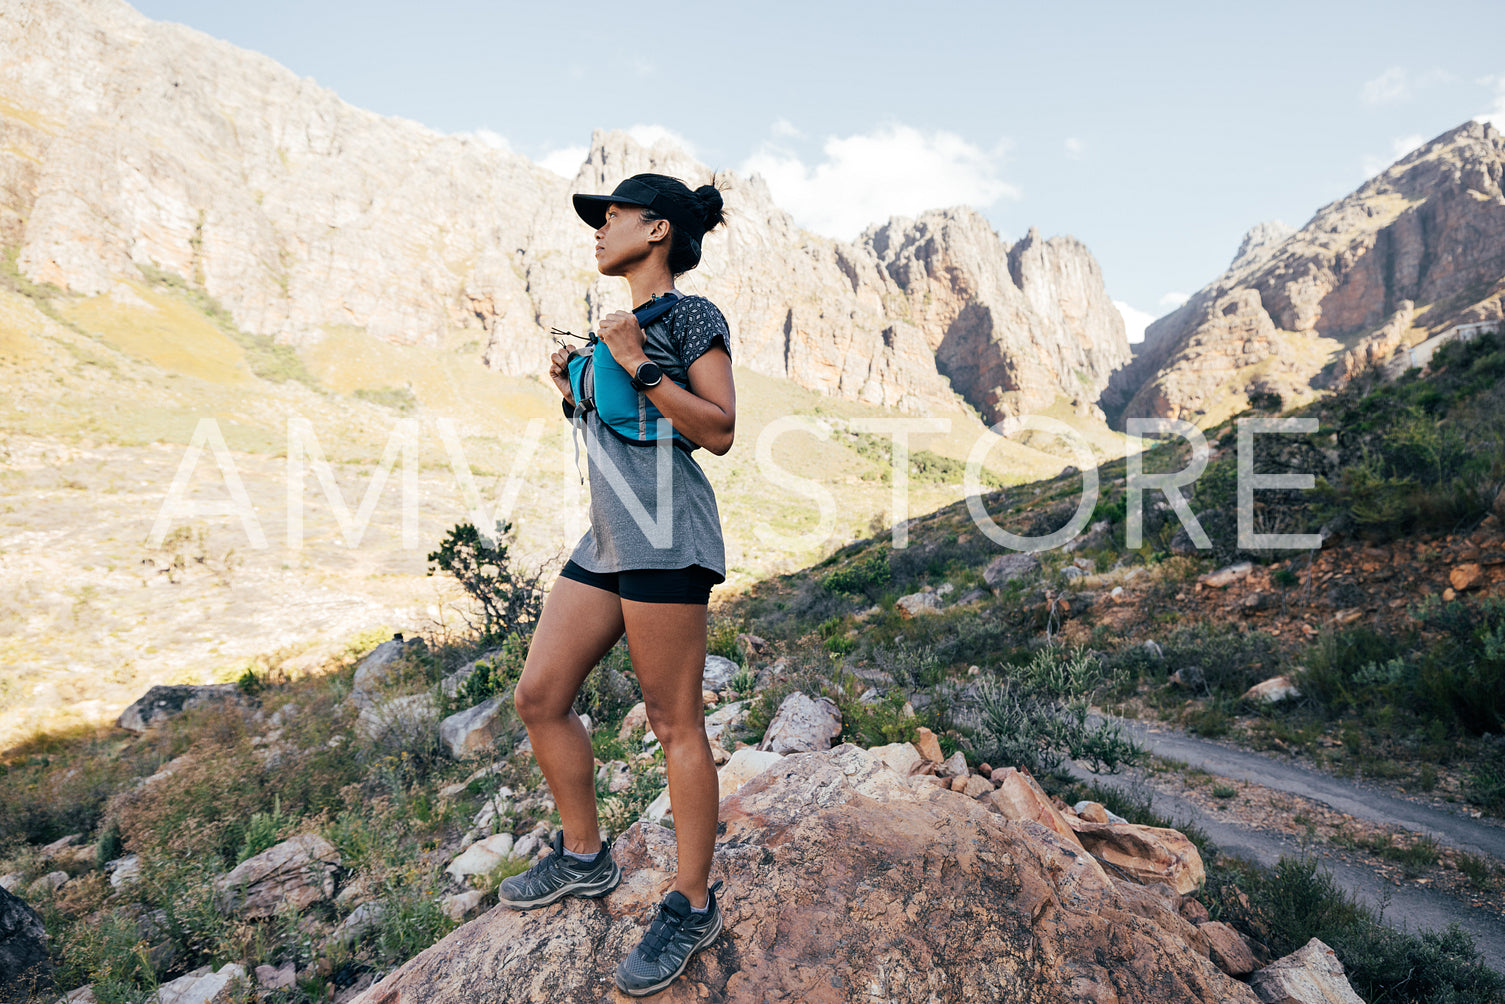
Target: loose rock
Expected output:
[295,873]
[803,724]
[24,963]
[1273,690]
[1007,567]
[161,703]
[1227,949]
[474,730]
[1310,975]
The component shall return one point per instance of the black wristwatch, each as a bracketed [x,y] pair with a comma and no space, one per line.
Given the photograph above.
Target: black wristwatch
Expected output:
[648,376]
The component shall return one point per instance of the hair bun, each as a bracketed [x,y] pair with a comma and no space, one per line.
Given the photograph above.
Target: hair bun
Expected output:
[711,206]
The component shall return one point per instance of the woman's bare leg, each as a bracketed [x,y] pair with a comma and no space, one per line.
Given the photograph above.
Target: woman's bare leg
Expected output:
[578,626]
[667,643]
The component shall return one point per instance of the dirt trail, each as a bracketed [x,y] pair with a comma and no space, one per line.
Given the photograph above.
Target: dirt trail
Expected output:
[1409,905]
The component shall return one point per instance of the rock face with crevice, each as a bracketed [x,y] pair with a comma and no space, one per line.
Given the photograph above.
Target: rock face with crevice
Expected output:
[846,881]
[143,151]
[1417,250]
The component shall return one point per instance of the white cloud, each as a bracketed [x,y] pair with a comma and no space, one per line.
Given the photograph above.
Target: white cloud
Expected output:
[1135,321]
[895,170]
[1075,148]
[1172,300]
[1496,114]
[1392,85]
[653,134]
[565,161]
[1399,147]
[785,128]
[1398,84]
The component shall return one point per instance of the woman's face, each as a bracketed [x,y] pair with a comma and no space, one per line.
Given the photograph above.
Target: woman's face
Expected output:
[625,240]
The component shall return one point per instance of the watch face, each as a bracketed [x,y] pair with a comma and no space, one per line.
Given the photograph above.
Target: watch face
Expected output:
[648,375]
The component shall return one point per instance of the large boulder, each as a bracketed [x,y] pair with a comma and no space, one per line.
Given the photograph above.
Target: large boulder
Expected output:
[802,724]
[1149,853]
[161,703]
[378,668]
[1007,567]
[402,721]
[1310,975]
[844,881]
[24,964]
[294,874]
[472,731]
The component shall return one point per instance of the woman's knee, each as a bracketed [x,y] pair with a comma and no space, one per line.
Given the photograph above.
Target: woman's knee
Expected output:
[675,729]
[536,704]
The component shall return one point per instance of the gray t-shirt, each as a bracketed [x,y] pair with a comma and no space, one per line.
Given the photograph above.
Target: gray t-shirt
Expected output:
[651,504]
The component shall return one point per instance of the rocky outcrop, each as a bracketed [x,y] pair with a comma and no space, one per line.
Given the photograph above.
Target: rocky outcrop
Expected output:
[294,875]
[931,898]
[137,150]
[1310,975]
[161,703]
[1428,234]
[24,964]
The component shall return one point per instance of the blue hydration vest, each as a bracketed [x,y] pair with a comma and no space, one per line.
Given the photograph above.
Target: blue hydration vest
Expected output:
[599,384]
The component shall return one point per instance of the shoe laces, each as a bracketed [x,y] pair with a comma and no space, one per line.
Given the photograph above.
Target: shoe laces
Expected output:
[662,931]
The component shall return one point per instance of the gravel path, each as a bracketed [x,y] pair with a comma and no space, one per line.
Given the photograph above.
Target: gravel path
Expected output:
[1408,905]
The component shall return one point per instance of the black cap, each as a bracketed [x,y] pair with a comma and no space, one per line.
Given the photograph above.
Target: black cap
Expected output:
[633,192]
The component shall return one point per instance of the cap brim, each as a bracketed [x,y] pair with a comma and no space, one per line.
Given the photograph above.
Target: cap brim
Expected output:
[592,208]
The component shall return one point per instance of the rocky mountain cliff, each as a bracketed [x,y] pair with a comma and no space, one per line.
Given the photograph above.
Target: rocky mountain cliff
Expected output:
[1416,250]
[130,148]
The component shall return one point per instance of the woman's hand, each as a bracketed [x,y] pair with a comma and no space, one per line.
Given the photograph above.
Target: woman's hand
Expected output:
[624,337]
[559,371]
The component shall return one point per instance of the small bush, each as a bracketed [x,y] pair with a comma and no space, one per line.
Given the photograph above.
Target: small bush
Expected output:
[861,577]
[510,598]
[1036,715]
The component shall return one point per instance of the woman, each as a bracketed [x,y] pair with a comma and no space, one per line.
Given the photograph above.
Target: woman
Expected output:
[639,569]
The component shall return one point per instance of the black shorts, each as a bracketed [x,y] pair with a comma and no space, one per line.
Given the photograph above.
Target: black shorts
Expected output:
[650,585]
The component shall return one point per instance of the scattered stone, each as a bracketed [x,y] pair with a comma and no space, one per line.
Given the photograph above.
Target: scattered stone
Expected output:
[954,766]
[280,718]
[744,765]
[123,871]
[719,755]
[161,703]
[47,884]
[528,844]
[461,904]
[24,962]
[202,987]
[1227,576]
[473,731]
[1072,573]
[11,882]
[719,672]
[752,644]
[616,776]
[970,597]
[1189,678]
[1018,796]
[1310,975]
[481,856]
[1273,690]
[1152,648]
[637,718]
[295,873]
[974,786]
[1227,949]
[1149,853]
[80,995]
[378,667]
[1007,567]
[1193,910]
[452,683]
[717,722]
[659,810]
[1255,602]
[277,978]
[414,716]
[802,724]
[928,746]
[1093,812]
[902,758]
[362,921]
[1348,616]
[451,790]
[497,805]
[918,603]
[50,850]
[1466,577]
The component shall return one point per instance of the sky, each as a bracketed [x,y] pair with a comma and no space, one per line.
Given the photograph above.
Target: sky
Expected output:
[1155,133]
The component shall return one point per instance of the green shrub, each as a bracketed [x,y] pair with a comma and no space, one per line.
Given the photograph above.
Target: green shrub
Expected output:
[1296,901]
[1037,714]
[399,399]
[861,577]
[510,598]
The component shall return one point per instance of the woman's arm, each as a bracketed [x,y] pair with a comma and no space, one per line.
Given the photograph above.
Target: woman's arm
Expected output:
[706,414]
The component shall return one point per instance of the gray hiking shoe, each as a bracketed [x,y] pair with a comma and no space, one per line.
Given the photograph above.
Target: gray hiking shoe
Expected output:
[675,934]
[558,875]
